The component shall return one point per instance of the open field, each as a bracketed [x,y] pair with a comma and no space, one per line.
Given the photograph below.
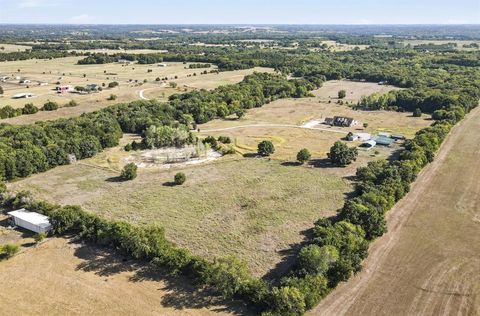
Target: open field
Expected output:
[427,263]
[253,127]
[10,48]
[233,205]
[130,78]
[60,277]
[252,208]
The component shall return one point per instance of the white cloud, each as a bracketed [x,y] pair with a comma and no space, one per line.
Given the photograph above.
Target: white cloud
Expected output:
[36,3]
[81,19]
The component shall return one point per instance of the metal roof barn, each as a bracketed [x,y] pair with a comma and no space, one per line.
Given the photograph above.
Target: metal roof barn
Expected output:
[33,221]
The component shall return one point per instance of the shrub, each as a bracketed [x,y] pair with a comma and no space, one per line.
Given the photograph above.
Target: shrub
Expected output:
[303,155]
[128,147]
[342,94]
[50,106]
[341,155]
[29,108]
[71,104]
[417,113]
[113,84]
[224,139]
[112,97]
[39,237]
[265,148]
[129,172]
[179,178]
[9,250]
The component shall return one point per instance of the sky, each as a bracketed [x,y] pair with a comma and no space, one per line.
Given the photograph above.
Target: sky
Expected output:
[241,11]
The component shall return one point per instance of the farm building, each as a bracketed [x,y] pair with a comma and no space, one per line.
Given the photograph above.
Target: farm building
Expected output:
[162,65]
[30,220]
[384,141]
[62,89]
[24,95]
[341,121]
[359,136]
[369,144]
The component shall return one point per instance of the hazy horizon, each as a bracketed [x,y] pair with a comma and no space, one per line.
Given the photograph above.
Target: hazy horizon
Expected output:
[242,12]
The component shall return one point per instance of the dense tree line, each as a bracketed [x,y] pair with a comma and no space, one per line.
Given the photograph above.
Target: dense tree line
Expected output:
[35,54]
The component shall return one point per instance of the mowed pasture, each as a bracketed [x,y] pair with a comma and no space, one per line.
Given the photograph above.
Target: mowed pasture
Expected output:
[130,78]
[428,263]
[77,279]
[280,120]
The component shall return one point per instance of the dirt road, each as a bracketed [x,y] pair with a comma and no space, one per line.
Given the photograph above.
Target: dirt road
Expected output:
[428,263]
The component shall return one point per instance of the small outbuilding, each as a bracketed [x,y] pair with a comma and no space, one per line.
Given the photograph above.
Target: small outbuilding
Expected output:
[33,221]
[25,95]
[384,141]
[341,121]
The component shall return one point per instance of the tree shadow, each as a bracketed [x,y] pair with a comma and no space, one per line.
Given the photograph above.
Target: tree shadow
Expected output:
[114,179]
[169,184]
[291,163]
[289,256]
[251,155]
[179,291]
[321,163]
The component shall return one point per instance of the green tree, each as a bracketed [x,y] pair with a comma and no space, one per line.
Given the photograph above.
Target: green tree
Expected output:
[314,259]
[179,178]
[265,148]
[417,112]
[342,94]
[1,90]
[287,301]
[303,155]
[129,172]
[29,108]
[50,106]
[341,155]
[240,113]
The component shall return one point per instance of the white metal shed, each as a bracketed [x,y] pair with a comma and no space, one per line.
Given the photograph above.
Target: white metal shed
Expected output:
[31,220]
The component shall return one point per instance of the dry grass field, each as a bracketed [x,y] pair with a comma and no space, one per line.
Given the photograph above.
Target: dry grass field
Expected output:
[257,209]
[459,43]
[252,208]
[10,48]
[428,263]
[60,277]
[254,127]
[130,78]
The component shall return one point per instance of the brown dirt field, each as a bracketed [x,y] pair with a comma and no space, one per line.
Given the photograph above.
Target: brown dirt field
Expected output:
[428,263]
[59,277]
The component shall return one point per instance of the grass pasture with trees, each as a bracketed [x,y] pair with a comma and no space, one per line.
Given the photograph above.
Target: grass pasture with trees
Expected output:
[230,208]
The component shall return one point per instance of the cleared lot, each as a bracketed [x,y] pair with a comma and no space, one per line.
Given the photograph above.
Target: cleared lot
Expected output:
[64,278]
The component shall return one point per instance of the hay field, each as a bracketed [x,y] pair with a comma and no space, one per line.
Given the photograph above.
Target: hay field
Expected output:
[428,263]
[59,277]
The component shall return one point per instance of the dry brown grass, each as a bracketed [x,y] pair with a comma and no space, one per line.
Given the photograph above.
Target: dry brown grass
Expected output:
[427,263]
[10,48]
[97,74]
[63,278]
[289,140]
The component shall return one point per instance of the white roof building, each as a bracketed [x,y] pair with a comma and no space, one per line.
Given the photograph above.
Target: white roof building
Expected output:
[24,95]
[33,221]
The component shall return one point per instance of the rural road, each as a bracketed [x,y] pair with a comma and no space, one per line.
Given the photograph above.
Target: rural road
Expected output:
[273,125]
[142,96]
[388,285]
